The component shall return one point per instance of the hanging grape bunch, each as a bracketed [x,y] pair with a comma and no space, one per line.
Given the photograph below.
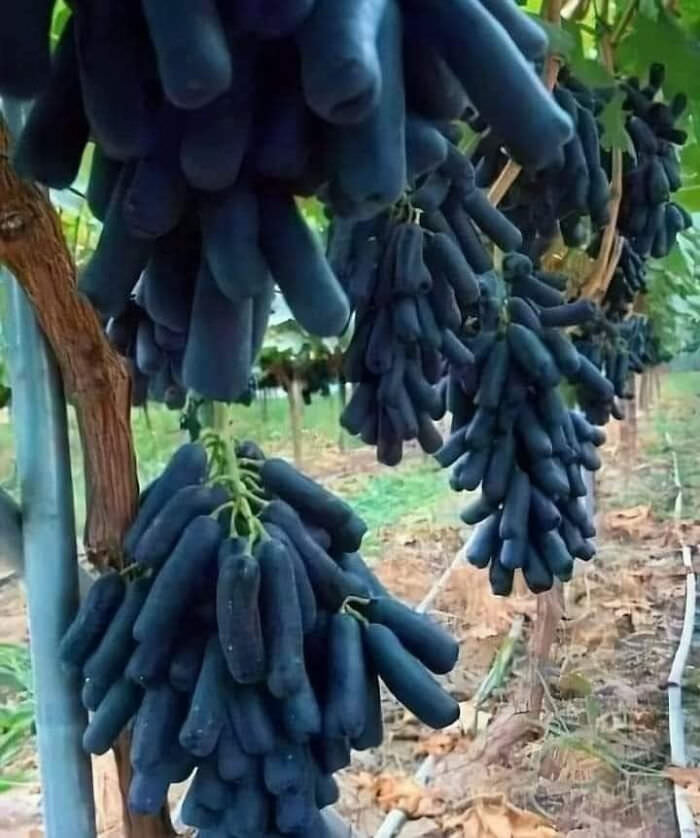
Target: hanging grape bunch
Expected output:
[648,218]
[513,436]
[617,348]
[558,198]
[629,280]
[248,643]
[208,120]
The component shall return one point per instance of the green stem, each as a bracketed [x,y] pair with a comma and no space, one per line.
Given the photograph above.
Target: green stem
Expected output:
[624,21]
[253,498]
[230,504]
[255,465]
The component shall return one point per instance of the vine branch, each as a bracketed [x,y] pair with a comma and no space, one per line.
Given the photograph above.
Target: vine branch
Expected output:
[95,380]
[611,245]
[624,21]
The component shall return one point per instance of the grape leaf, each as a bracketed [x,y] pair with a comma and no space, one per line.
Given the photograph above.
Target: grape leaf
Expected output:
[649,8]
[682,306]
[585,68]
[689,197]
[562,41]
[590,72]
[612,118]
[666,41]
[690,160]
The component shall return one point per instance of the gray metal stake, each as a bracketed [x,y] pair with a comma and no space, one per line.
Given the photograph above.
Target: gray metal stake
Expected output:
[50,559]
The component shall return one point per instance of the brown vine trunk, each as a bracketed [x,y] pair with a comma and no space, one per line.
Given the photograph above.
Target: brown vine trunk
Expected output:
[611,243]
[95,380]
[644,392]
[550,606]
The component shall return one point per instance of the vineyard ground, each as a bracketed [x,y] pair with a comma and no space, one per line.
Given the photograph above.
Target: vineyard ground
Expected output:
[595,768]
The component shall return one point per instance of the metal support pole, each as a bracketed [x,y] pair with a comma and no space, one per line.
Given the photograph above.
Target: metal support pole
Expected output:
[50,559]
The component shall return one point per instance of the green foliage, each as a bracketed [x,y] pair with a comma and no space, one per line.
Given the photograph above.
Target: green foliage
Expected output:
[16,711]
[689,194]
[612,120]
[672,42]
[315,215]
[290,352]
[61,13]
[673,301]
[582,54]
[414,490]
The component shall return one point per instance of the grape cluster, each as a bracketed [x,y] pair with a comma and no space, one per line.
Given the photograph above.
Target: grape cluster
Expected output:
[153,354]
[629,280]
[617,348]
[648,218]
[209,118]
[513,435]
[248,644]
[412,275]
[558,198]
[604,345]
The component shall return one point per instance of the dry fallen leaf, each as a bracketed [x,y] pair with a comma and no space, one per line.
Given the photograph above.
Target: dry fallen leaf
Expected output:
[494,817]
[437,744]
[400,792]
[636,521]
[574,685]
[685,777]
[689,779]
[481,631]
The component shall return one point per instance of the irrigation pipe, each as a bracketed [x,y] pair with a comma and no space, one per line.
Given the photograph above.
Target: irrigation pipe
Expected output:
[431,596]
[676,730]
[395,820]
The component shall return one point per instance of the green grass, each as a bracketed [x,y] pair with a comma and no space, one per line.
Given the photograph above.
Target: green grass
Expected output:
[650,479]
[416,491]
[678,415]
[16,712]
[157,434]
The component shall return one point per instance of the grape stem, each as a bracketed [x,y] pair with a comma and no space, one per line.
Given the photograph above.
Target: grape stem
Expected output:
[353,612]
[226,470]
[611,243]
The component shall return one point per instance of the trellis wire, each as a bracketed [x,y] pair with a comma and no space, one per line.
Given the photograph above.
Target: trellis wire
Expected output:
[395,820]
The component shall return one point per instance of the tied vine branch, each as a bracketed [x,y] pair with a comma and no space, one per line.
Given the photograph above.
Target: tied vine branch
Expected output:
[32,247]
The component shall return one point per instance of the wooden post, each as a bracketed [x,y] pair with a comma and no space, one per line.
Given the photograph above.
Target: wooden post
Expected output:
[644,394]
[342,401]
[550,609]
[295,415]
